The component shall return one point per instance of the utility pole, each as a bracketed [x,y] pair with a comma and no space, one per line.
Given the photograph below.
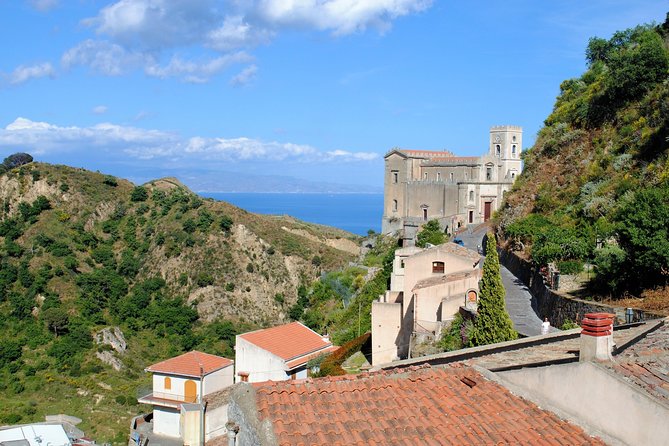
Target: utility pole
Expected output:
[359,308]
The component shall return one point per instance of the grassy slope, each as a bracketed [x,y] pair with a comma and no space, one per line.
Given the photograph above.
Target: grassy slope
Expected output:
[604,145]
[228,276]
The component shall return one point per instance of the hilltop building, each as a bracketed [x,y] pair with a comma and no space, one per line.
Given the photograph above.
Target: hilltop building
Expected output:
[427,287]
[422,185]
[278,353]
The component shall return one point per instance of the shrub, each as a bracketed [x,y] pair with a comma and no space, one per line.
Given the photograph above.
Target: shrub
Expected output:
[139,193]
[109,181]
[430,233]
[570,266]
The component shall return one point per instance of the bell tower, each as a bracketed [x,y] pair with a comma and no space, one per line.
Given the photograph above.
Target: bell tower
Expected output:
[506,142]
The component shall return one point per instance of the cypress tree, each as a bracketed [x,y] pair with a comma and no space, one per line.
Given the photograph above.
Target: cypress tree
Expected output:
[492,323]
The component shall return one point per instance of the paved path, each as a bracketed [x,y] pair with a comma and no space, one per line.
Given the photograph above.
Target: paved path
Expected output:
[518,298]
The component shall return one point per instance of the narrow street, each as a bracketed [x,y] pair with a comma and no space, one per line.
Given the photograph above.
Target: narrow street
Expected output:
[518,298]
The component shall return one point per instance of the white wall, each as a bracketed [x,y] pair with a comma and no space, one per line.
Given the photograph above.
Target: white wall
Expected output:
[214,422]
[177,391]
[166,421]
[598,398]
[261,364]
[386,323]
[219,380]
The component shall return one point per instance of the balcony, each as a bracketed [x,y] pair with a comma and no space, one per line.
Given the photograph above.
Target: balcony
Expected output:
[166,399]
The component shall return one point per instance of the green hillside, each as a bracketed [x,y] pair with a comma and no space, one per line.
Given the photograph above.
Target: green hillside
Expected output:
[81,251]
[595,187]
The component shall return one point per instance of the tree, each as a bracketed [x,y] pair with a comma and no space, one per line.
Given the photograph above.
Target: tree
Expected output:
[56,319]
[430,233]
[16,160]
[492,323]
[139,193]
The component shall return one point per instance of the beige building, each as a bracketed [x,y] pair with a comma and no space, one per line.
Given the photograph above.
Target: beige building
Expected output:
[424,185]
[427,287]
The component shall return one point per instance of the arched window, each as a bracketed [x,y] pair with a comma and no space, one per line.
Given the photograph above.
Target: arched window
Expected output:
[425,175]
[498,150]
[451,176]
[471,195]
[438,267]
[168,383]
[394,205]
[513,150]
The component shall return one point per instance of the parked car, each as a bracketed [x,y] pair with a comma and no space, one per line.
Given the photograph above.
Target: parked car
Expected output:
[458,241]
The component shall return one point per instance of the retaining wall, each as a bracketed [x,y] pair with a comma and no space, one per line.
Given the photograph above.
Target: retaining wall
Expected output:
[559,308]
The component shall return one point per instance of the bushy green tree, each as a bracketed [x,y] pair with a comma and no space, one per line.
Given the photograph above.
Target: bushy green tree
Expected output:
[492,323]
[430,233]
[139,193]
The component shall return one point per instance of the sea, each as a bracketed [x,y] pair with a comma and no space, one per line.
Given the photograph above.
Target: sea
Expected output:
[356,213]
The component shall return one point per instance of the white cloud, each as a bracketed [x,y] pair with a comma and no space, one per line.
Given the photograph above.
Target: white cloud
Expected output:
[102,57]
[237,33]
[338,16]
[245,76]
[100,109]
[145,33]
[145,144]
[196,72]
[24,73]
[43,5]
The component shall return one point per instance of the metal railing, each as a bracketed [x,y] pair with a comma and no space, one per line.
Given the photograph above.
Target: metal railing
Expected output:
[172,397]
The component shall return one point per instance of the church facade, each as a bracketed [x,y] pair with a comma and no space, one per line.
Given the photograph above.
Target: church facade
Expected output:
[423,185]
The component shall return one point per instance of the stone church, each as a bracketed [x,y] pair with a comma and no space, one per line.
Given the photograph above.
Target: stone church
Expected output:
[422,185]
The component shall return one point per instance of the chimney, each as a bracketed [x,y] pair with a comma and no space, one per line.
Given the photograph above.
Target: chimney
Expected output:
[244,376]
[597,337]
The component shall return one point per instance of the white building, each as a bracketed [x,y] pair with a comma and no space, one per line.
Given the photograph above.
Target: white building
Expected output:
[34,435]
[427,288]
[180,385]
[278,353]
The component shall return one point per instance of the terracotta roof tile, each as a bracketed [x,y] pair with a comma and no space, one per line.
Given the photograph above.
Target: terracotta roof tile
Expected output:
[418,405]
[189,364]
[288,341]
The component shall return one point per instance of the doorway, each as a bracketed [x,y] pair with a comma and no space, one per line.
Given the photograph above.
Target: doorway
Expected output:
[487,210]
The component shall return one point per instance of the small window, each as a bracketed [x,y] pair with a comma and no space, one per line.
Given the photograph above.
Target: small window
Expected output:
[425,175]
[513,175]
[471,217]
[438,176]
[401,263]
[438,267]
[513,150]
[168,383]
[488,173]
[498,150]
[471,195]
[425,214]
[451,176]
[395,205]
[395,177]
[513,138]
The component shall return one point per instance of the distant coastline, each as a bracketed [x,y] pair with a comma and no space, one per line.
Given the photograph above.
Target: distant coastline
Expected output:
[353,212]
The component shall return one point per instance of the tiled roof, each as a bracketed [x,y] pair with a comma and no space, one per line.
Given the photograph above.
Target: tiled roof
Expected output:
[431,281]
[306,358]
[646,363]
[452,248]
[288,341]
[189,364]
[420,405]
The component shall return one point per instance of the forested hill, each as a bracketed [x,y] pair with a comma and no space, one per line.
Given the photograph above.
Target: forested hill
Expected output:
[80,251]
[596,183]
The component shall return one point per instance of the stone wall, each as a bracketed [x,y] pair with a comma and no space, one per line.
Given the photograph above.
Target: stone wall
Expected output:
[559,308]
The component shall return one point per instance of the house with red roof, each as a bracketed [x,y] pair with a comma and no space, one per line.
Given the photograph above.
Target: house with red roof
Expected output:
[278,353]
[181,385]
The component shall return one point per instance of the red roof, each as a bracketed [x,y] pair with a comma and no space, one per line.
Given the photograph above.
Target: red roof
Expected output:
[189,364]
[288,341]
[419,405]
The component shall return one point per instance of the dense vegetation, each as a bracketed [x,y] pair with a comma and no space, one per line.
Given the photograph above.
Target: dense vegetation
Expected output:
[81,251]
[596,183]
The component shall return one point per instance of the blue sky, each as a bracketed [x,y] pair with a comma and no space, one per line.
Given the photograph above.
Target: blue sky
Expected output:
[303,91]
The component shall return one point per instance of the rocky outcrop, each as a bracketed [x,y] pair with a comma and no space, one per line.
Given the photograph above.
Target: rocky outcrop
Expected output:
[113,337]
